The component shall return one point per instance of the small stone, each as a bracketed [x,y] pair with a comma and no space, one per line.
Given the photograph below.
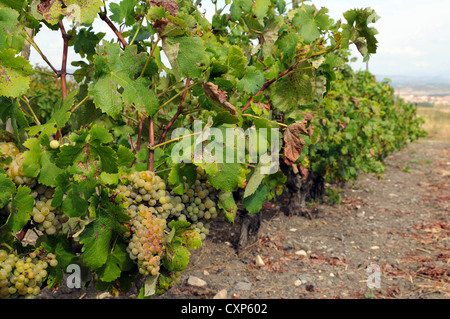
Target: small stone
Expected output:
[105,295]
[221,294]
[304,279]
[393,195]
[293,229]
[360,214]
[331,275]
[196,282]
[228,243]
[259,261]
[205,272]
[375,247]
[301,253]
[298,282]
[243,286]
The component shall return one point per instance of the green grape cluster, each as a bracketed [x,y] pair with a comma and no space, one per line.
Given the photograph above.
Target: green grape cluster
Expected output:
[144,188]
[15,168]
[47,218]
[198,204]
[10,149]
[151,208]
[22,277]
[146,244]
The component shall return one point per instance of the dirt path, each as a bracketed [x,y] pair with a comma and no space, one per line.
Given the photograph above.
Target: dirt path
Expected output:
[400,223]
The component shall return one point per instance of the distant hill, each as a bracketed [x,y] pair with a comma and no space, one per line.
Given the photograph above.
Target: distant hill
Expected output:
[419,85]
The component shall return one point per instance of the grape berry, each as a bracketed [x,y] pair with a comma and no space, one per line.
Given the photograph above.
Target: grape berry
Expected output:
[22,276]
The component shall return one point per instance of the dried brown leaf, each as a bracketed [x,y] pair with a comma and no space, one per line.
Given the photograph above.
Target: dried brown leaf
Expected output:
[293,142]
[355,100]
[218,96]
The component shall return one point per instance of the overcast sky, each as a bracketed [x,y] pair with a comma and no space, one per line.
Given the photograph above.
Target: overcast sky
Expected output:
[414,36]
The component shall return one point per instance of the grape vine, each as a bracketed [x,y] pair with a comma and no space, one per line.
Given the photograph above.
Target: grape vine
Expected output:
[87,158]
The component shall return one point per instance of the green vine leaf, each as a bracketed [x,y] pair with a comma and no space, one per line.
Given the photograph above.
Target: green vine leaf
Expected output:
[225,176]
[254,202]
[192,58]
[14,73]
[7,189]
[112,70]
[82,11]
[116,262]
[21,207]
[11,31]
[96,238]
[310,21]
[227,203]
[123,11]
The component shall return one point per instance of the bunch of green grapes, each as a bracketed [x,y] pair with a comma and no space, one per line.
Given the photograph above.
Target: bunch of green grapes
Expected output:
[146,244]
[199,204]
[144,188]
[147,189]
[10,149]
[15,168]
[47,218]
[23,276]
[16,173]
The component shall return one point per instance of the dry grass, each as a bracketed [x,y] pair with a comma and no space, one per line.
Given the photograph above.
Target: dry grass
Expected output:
[437,122]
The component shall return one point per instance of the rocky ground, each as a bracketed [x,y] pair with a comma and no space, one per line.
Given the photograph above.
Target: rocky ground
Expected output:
[399,224]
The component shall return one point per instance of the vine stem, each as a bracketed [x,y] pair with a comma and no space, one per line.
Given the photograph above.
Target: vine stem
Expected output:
[27,102]
[285,72]
[269,82]
[46,73]
[173,140]
[137,31]
[177,95]
[171,88]
[177,114]
[7,246]
[79,104]
[130,118]
[258,117]
[141,124]
[150,56]
[119,35]
[81,74]
[63,71]
[151,138]
[195,109]
[35,46]
[163,170]
[28,114]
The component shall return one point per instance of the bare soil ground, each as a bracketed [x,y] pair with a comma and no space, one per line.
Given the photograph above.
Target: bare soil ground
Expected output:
[400,223]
